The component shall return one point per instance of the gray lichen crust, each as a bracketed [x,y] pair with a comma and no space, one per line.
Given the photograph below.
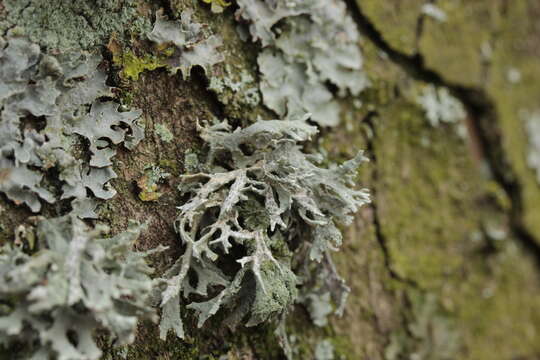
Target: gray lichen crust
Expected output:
[72,25]
[259,199]
[78,281]
[44,103]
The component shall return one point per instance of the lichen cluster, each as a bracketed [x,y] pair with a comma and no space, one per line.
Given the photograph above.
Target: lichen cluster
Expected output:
[77,281]
[315,43]
[260,216]
[260,202]
[46,103]
[187,42]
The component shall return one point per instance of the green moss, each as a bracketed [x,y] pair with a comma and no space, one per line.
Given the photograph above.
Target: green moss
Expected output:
[396,20]
[149,346]
[497,306]
[466,34]
[515,100]
[421,165]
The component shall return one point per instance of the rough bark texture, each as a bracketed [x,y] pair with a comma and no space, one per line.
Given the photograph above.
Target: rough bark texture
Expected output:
[429,278]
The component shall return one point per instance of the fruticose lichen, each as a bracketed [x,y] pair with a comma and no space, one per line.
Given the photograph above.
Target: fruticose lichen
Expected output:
[46,102]
[260,217]
[76,282]
[296,63]
[259,202]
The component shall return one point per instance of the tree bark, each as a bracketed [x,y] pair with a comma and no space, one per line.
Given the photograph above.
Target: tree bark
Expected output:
[444,263]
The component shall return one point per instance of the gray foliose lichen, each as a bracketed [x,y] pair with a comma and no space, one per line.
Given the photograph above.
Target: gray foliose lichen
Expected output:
[47,105]
[259,202]
[188,44]
[316,42]
[76,281]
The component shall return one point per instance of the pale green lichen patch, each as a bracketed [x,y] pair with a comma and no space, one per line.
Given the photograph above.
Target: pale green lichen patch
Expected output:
[236,90]
[66,25]
[149,183]
[434,332]
[532,126]
[163,133]
[440,106]
[78,281]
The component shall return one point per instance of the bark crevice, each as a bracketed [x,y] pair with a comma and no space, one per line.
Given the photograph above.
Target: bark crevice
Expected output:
[483,125]
[379,234]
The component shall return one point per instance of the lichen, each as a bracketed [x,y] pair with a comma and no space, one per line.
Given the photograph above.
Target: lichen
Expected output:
[66,25]
[290,202]
[133,65]
[163,133]
[59,90]
[434,12]
[188,44]
[324,350]
[434,334]
[440,106]
[149,183]
[217,6]
[78,281]
[305,53]
[236,90]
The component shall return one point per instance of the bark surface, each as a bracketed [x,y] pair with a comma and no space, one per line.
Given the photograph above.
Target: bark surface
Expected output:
[445,262]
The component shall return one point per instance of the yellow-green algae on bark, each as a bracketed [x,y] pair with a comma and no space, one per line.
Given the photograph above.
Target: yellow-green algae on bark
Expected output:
[444,226]
[400,19]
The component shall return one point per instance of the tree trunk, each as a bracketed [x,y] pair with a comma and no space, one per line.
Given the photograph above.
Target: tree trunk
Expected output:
[444,262]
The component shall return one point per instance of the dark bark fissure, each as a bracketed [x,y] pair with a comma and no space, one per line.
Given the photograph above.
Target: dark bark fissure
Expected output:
[379,235]
[484,126]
